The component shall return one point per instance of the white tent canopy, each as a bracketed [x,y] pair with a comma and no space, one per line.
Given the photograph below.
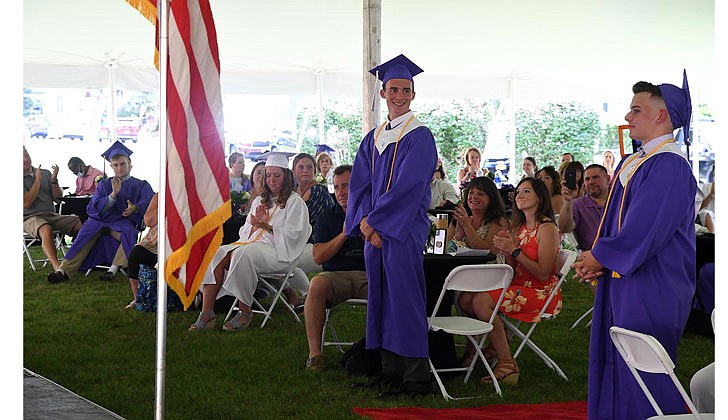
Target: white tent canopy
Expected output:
[529,49]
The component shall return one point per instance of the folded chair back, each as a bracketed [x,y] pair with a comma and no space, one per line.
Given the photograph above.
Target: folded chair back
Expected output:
[642,352]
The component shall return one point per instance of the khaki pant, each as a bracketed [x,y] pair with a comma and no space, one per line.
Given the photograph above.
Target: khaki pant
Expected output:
[71,265]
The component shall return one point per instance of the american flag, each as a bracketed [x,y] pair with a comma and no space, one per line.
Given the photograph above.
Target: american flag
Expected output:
[198,187]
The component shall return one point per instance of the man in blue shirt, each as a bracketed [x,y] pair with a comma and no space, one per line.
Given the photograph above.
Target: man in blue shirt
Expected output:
[343,276]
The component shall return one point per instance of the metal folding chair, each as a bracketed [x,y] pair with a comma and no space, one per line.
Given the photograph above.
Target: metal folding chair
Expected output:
[330,324]
[470,278]
[58,238]
[644,353]
[269,284]
[563,264]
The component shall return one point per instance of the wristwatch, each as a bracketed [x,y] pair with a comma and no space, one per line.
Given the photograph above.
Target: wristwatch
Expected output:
[516,252]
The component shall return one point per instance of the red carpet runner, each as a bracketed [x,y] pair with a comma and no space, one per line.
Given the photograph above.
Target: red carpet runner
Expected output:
[572,410]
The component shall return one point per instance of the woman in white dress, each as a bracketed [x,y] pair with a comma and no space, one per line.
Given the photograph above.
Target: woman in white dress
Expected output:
[274,234]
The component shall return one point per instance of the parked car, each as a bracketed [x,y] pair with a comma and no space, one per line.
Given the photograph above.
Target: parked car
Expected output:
[280,142]
[38,125]
[126,129]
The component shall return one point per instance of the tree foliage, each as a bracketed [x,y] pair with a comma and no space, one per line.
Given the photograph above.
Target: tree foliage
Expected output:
[456,127]
[548,131]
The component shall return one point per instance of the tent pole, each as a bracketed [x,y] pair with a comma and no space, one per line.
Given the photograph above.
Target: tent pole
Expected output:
[110,65]
[163,10]
[372,26]
[512,129]
[319,90]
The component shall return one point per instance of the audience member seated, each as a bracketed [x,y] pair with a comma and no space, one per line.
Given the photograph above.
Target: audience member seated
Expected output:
[582,215]
[442,192]
[274,235]
[471,168]
[40,190]
[610,163]
[529,167]
[706,214]
[86,176]
[474,225]
[257,183]
[477,221]
[239,182]
[317,199]
[114,218]
[579,169]
[567,157]
[145,252]
[551,178]
[324,167]
[531,247]
[344,277]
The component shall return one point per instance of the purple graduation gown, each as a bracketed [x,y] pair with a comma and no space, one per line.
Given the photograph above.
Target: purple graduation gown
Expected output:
[396,312]
[140,193]
[654,256]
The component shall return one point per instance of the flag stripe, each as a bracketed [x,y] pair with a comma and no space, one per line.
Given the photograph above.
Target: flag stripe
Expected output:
[198,187]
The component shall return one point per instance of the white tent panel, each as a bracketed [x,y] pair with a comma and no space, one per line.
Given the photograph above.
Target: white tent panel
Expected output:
[566,49]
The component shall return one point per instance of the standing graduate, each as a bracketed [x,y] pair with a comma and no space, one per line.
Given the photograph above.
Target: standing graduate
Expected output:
[644,255]
[389,193]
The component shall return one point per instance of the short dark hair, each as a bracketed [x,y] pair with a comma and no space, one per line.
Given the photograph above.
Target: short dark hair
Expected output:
[532,159]
[76,164]
[648,87]
[596,166]
[339,170]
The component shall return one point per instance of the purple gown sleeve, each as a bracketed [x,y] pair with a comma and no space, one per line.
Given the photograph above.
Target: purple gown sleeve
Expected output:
[396,210]
[655,214]
[360,187]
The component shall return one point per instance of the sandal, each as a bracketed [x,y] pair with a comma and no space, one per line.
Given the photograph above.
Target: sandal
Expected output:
[235,324]
[205,321]
[131,305]
[315,363]
[506,371]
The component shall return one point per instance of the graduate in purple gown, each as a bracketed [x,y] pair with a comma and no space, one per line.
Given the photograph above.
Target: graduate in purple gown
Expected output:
[119,204]
[389,194]
[644,255]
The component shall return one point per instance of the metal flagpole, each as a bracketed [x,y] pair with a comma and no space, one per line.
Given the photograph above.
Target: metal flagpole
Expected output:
[163,12]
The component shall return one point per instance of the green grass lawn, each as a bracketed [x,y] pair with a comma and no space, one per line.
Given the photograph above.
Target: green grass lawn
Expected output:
[79,335]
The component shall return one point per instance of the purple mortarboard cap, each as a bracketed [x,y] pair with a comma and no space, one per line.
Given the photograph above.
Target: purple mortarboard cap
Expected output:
[321,148]
[400,67]
[679,105]
[116,149]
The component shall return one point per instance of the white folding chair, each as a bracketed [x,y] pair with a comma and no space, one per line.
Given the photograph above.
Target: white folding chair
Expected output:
[330,324]
[470,278]
[269,284]
[583,317]
[59,240]
[644,353]
[563,265]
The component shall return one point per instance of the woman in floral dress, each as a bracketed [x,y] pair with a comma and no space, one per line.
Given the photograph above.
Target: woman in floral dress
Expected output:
[531,247]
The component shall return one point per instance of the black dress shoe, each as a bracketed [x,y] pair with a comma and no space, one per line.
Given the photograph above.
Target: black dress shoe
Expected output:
[107,276]
[408,389]
[57,277]
[379,382]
